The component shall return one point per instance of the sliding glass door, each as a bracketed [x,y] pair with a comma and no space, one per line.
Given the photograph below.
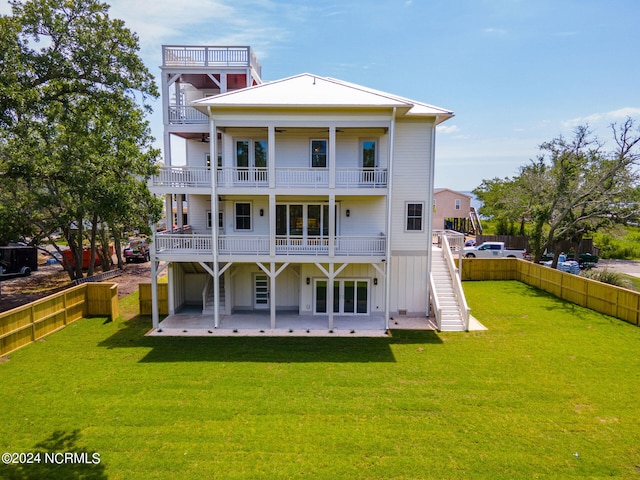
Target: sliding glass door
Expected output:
[350,297]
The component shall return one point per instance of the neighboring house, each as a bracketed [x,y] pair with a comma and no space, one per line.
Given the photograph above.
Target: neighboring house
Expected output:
[451,210]
[317,203]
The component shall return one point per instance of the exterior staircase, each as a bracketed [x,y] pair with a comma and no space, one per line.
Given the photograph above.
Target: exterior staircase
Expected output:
[450,308]
[208,308]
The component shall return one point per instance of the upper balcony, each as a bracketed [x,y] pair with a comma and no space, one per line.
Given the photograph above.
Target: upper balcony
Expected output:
[209,57]
[182,178]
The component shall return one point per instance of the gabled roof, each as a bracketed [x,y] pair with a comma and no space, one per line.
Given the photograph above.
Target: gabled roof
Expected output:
[307,90]
[440,190]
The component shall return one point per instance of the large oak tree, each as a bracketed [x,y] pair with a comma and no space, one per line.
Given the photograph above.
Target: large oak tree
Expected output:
[75,148]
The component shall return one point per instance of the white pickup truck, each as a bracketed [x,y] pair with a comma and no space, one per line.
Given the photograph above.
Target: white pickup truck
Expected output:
[493,250]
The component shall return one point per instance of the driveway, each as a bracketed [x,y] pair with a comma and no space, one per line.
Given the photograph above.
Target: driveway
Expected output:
[628,267]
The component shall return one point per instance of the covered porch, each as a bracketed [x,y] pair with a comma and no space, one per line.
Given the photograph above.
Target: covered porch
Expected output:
[191,323]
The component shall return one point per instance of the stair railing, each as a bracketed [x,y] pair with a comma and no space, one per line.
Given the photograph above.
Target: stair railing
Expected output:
[457,282]
[437,309]
[205,292]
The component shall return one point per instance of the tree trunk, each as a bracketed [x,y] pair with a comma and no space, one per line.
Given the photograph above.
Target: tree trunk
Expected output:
[117,245]
[94,247]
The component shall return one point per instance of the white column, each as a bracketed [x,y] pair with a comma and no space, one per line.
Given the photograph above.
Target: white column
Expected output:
[179,209]
[170,294]
[271,156]
[332,225]
[332,156]
[272,225]
[429,209]
[272,293]
[213,151]
[387,279]
[168,205]
[330,295]
[155,316]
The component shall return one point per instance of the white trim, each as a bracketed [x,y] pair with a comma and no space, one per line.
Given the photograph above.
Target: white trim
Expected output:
[406,216]
[235,216]
[326,153]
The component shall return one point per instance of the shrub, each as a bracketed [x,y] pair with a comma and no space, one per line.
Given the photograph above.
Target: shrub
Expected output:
[610,277]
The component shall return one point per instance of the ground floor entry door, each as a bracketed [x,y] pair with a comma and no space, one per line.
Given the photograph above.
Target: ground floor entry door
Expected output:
[260,291]
[350,297]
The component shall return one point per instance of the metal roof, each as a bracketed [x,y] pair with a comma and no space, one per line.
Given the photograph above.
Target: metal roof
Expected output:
[307,90]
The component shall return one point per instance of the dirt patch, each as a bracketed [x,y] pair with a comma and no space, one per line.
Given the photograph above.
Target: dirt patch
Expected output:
[50,279]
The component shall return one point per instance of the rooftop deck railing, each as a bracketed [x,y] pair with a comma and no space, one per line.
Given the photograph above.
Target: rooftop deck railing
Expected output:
[195,56]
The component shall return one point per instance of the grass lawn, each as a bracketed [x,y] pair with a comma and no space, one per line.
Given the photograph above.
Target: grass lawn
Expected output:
[550,390]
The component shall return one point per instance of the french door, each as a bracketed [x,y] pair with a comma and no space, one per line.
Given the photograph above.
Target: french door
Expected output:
[350,297]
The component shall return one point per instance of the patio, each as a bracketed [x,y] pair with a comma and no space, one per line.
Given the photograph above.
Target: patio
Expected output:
[252,324]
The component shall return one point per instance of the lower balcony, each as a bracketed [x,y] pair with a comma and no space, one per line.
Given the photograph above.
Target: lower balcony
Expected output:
[258,245]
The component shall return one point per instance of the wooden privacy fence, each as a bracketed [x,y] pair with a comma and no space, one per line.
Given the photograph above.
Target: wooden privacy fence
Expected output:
[24,325]
[601,297]
[144,298]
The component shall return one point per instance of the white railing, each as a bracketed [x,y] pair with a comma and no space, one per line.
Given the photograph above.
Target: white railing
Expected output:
[455,239]
[371,246]
[243,177]
[437,309]
[361,177]
[180,114]
[183,243]
[182,176]
[195,56]
[167,243]
[243,244]
[302,177]
[188,176]
[457,281]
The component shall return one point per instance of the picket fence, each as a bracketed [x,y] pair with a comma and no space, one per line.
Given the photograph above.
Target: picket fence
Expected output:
[608,299]
[29,323]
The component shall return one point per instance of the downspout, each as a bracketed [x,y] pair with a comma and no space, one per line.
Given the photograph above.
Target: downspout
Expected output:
[213,151]
[387,282]
[429,205]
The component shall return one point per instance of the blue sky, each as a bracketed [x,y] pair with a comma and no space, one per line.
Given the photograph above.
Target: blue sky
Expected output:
[515,72]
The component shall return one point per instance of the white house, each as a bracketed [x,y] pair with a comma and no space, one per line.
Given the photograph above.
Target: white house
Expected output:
[316,205]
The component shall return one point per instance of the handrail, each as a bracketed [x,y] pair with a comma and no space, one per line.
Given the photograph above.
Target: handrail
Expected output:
[434,299]
[457,282]
[205,292]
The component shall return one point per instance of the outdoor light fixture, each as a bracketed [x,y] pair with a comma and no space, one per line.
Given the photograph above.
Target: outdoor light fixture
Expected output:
[375,280]
[348,213]
[262,212]
[308,281]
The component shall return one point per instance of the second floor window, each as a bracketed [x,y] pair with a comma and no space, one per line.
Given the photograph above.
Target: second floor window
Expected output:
[457,204]
[243,216]
[319,153]
[414,217]
[251,153]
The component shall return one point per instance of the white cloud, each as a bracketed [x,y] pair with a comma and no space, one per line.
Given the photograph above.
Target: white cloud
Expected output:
[495,31]
[605,117]
[447,129]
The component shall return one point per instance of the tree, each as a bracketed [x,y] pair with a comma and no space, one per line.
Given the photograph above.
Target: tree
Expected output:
[74,145]
[572,189]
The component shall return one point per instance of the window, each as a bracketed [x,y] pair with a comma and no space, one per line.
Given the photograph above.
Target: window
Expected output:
[319,153]
[242,153]
[457,204]
[243,216]
[414,217]
[220,219]
[368,150]
[208,159]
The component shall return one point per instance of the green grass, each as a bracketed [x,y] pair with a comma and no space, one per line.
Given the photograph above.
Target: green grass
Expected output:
[550,390]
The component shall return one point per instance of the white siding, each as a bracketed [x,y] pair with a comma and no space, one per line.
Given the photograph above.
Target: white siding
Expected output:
[199,205]
[367,216]
[196,153]
[411,180]
[408,284]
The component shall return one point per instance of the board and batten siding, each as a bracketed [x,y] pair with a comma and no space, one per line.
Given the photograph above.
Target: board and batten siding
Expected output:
[408,276]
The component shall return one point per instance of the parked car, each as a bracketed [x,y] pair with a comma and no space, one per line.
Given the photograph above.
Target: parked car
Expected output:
[493,250]
[137,250]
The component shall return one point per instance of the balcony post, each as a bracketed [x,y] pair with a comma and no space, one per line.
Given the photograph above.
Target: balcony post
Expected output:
[332,225]
[272,224]
[213,151]
[271,156]
[332,156]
